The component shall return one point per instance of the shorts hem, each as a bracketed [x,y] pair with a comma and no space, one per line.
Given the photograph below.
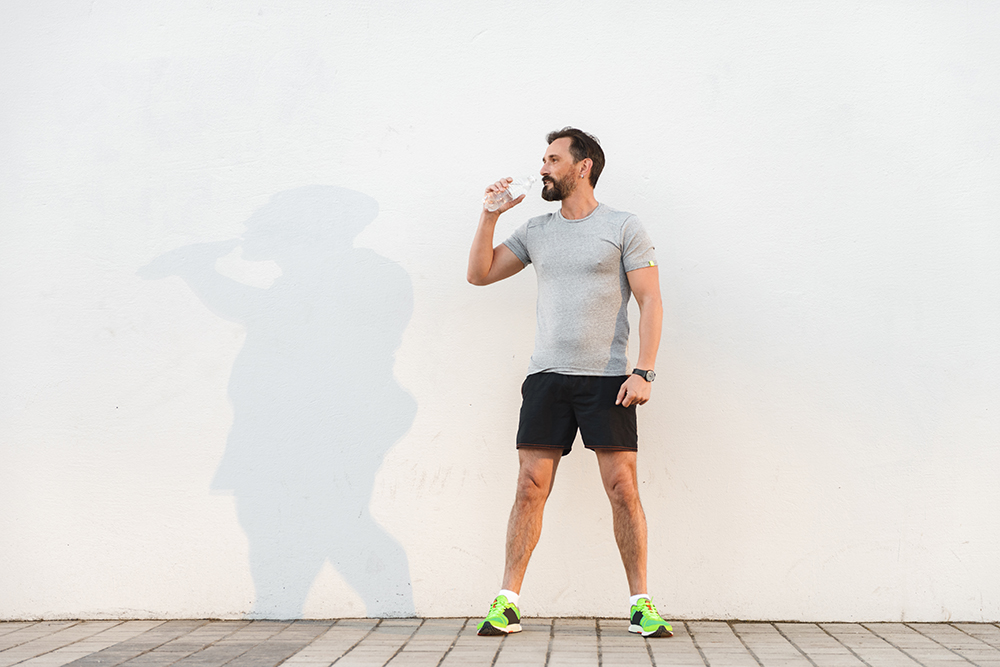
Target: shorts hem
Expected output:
[560,448]
[612,448]
[529,446]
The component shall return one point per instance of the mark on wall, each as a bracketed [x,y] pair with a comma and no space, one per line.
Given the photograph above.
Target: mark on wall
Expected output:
[316,406]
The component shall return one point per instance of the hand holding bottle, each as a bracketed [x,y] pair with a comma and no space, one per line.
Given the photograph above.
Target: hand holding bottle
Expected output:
[507,193]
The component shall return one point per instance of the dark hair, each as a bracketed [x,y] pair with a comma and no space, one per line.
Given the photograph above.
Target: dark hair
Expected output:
[582,146]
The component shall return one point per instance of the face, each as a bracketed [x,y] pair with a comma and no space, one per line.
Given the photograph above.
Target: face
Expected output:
[560,175]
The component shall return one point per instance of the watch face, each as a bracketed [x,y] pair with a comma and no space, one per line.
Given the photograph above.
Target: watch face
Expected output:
[650,376]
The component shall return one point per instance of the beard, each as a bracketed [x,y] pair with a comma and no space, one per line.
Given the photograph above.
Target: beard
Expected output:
[557,190]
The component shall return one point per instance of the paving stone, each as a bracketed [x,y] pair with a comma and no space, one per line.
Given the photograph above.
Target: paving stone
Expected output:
[43,645]
[470,649]
[32,632]
[333,643]
[720,645]
[10,626]
[969,647]
[417,659]
[989,634]
[383,642]
[280,646]
[678,650]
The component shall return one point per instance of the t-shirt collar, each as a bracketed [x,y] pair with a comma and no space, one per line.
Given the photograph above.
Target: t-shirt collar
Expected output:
[592,214]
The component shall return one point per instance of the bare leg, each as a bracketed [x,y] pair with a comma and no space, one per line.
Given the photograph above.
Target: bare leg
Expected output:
[618,475]
[534,484]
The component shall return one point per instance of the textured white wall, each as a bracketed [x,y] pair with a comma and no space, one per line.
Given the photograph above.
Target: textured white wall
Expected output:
[330,433]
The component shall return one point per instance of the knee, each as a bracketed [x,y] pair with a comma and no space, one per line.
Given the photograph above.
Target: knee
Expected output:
[531,487]
[623,491]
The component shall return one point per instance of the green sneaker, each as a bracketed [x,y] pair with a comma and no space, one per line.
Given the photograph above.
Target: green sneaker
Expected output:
[502,619]
[647,621]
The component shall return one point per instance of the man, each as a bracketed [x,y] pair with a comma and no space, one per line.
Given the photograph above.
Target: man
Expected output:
[589,260]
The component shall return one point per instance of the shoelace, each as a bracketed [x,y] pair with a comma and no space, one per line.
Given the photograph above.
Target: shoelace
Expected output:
[497,606]
[650,609]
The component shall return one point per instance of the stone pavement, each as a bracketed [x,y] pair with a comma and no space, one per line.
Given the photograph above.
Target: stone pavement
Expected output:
[452,642]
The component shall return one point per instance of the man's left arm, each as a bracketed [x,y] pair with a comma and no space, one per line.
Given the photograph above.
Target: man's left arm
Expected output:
[645,284]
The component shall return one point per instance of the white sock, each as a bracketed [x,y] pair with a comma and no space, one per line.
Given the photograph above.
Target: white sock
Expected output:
[510,595]
[634,600]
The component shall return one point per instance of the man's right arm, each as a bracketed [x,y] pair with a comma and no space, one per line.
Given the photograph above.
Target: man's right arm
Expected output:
[486,263]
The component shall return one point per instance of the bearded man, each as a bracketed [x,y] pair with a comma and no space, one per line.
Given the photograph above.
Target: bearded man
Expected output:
[590,259]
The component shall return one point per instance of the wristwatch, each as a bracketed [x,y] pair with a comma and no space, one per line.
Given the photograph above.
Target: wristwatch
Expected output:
[648,376]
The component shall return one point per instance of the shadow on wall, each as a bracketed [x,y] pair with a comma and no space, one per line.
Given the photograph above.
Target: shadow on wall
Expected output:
[316,406]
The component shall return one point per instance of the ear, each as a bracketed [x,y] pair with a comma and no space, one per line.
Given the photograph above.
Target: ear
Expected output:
[585,165]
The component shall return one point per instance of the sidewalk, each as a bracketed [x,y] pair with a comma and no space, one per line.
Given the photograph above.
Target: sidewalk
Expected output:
[452,642]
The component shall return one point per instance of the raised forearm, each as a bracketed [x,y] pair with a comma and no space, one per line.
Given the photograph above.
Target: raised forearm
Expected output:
[481,253]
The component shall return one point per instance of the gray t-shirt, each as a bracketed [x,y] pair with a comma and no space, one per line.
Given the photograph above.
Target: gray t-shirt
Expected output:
[583,293]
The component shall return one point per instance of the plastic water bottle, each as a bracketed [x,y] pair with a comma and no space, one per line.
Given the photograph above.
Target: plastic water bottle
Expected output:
[520,186]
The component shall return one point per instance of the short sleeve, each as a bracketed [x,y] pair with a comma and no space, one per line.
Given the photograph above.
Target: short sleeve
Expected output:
[637,248]
[518,244]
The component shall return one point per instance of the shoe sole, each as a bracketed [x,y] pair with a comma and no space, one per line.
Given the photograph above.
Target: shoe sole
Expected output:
[489,631]
[661,631]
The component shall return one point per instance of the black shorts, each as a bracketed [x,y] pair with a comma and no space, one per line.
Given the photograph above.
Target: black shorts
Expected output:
[555,405]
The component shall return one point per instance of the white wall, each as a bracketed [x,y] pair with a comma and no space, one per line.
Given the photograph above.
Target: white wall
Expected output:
[820,179]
